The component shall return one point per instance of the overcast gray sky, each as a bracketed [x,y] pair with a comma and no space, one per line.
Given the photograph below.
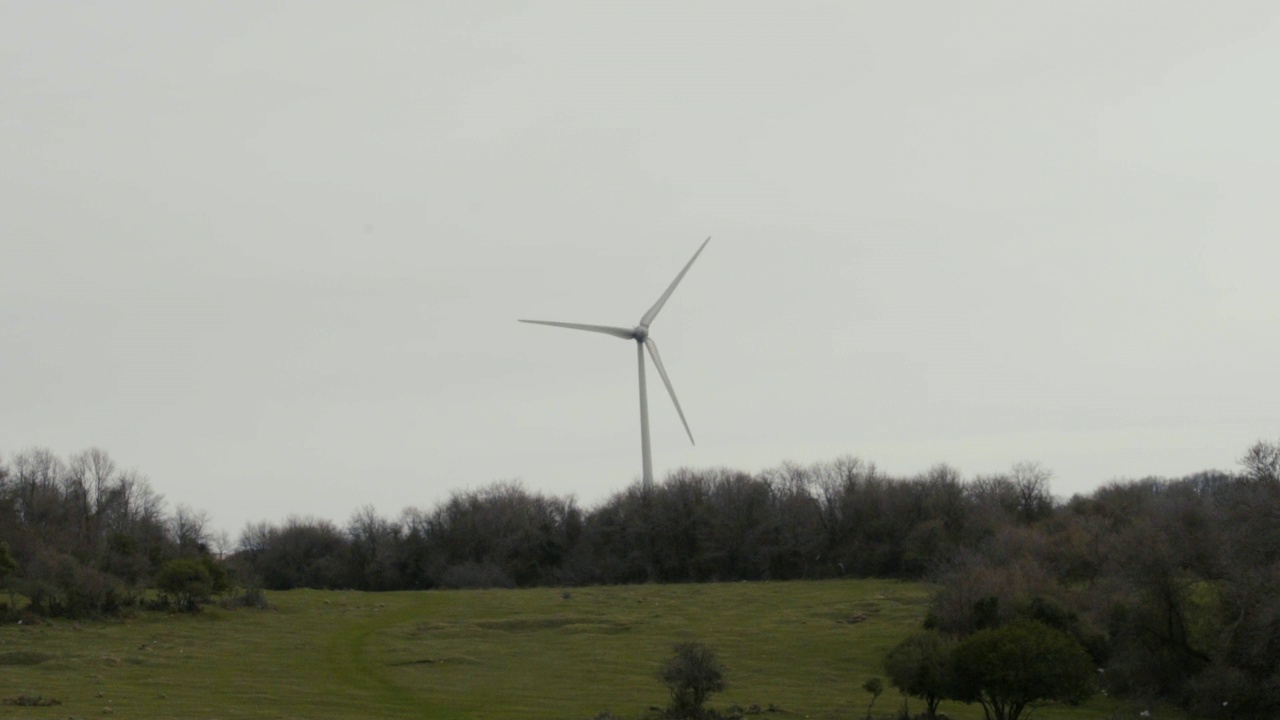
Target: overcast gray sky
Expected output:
[272,254]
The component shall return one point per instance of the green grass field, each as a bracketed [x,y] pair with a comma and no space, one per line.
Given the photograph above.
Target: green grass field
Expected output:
[804,647]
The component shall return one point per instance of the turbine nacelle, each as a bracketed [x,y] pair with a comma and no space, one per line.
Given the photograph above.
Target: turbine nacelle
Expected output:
[640,333]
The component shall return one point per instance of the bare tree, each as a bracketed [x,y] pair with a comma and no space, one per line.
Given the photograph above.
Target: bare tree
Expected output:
[1262,461]
[220,544]
[37,477]
[1031,484]
[190,529]
[254,539]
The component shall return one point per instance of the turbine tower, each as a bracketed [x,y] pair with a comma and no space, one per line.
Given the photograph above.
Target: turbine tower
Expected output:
[640,333]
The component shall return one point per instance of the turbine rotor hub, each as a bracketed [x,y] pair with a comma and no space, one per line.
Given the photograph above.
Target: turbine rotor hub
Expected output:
[640,333]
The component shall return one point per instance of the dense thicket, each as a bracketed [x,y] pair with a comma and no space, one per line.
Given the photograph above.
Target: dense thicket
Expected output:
[1171,585]
[85,537]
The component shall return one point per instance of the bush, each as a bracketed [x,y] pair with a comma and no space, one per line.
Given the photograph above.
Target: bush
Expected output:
[187,582]
[57,585]
[693,674]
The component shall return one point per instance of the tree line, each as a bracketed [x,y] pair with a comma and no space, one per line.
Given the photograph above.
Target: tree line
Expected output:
[1171,586]
[83,536]
[843,518]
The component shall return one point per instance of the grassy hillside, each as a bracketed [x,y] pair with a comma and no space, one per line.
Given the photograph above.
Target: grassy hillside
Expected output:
[804,647]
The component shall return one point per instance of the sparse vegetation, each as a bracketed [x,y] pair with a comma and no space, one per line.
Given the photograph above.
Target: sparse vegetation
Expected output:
[495,655]
[511,654]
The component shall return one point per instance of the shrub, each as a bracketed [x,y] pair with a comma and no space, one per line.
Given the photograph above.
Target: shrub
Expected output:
[693,674]
[186,581]
[58,585]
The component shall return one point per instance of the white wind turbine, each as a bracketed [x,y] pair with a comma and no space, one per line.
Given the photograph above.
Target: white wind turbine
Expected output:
[640,333]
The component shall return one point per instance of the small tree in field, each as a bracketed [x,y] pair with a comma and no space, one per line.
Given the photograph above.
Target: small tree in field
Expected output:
[1018,666]
[692,675]
[875,686]
[921,666]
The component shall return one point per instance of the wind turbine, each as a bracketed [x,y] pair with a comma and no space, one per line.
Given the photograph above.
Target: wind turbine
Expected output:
[640,333]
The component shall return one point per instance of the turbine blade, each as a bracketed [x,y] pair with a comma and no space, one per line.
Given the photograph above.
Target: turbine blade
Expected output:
[624,333]
[653,311]
[657,361]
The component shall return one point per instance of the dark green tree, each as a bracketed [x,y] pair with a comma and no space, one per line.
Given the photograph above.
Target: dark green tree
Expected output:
[693,674]
[921,666]
[219,581]
[187,581]
[1018,666]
